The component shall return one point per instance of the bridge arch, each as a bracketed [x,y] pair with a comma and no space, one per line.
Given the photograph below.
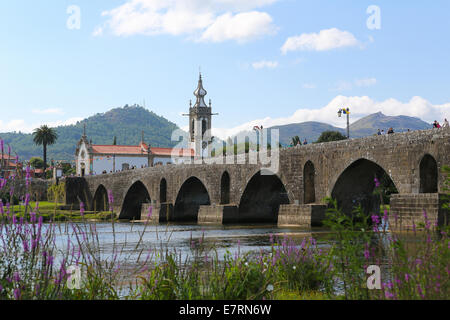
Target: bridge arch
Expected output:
[355,186]
[136,195]
[100,201]
[428,174]
[309,175]
[190,197]
[225,188]
[262,198]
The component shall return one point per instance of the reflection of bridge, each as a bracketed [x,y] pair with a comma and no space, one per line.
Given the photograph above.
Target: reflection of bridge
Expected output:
[238,193]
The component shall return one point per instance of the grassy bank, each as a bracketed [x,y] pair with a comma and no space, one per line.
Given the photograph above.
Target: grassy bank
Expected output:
[51,211]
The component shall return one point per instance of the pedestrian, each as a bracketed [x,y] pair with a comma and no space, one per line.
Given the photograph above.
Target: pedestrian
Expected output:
[438,125]
[391,131]
[435,124]
[379,132]
[445,124]
[305,142]
[382,132]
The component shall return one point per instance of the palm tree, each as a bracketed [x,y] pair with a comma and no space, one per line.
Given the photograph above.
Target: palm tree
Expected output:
[44,136]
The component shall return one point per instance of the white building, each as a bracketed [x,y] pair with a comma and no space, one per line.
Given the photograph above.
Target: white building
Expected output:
[100,159]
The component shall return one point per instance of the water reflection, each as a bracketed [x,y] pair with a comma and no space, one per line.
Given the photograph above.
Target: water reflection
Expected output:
[177,237]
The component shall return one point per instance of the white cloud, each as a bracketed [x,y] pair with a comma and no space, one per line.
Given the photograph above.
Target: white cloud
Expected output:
[265,64]
[323,41]
[48,111]
[241,27]
[200,20]
[359,108]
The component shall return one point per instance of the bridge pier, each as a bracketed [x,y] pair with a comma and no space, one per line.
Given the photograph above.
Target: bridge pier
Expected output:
[160,212]
[301,215]
[218,214]
[409,210]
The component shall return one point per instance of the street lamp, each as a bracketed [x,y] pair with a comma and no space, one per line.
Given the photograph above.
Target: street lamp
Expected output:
[347,112]
[260,132]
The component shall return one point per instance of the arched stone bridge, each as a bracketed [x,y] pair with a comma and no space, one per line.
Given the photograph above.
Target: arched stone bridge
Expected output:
[226,193]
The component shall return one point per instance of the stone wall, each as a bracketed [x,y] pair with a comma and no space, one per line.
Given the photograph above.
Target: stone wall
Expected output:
[305,215]
[37,188]
[409,210]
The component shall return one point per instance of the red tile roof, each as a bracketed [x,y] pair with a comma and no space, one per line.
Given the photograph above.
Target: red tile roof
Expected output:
[5,156]
[169,151]
[140,150]
[119,149]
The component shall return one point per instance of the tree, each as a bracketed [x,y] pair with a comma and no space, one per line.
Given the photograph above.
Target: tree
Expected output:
[328,136]
[296,141]
[44,136]
[37,163]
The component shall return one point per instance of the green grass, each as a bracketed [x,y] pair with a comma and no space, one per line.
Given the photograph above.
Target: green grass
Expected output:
[295,295]
[50,211]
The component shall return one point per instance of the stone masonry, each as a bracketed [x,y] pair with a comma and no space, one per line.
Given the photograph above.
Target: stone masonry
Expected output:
[399,155]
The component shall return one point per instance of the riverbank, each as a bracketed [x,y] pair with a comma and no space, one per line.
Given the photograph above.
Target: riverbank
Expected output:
[50,211]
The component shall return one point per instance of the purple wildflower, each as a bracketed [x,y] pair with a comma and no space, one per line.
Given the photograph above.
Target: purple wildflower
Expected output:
[377,183]
[150,212]
[420,291]
[81,208]
[17,294]
[16,277]
[33,217]
[110,197]
[27,199]
[366,252]
[50,260]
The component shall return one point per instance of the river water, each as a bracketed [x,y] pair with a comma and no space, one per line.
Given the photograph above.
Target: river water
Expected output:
[135,240]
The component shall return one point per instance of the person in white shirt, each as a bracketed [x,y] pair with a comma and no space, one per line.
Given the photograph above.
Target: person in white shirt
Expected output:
[445,124]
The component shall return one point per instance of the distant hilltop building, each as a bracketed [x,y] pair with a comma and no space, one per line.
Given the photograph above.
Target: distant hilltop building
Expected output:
[99,159]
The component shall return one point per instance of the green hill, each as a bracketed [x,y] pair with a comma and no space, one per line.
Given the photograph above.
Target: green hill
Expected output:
[369,125]
[364,127]
[125,123]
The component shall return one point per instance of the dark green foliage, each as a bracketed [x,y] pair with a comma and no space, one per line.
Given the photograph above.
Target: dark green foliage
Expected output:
[329,136]
[126,124]
[296,140]
[36,163]
[44,136]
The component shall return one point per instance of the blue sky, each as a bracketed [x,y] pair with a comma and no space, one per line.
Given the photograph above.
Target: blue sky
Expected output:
[263,61]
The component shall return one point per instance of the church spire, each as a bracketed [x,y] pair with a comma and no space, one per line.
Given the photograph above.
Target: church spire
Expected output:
[200,93]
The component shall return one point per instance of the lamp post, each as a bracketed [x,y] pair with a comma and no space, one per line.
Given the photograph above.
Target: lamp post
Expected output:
[347,112]
[260,138]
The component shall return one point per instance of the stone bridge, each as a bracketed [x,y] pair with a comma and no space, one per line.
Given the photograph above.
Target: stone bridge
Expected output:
[238,193]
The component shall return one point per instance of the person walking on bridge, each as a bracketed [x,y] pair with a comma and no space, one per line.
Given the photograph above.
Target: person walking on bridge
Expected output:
[445,124]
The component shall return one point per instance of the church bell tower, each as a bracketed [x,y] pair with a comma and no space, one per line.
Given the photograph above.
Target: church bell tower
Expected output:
[200,116]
